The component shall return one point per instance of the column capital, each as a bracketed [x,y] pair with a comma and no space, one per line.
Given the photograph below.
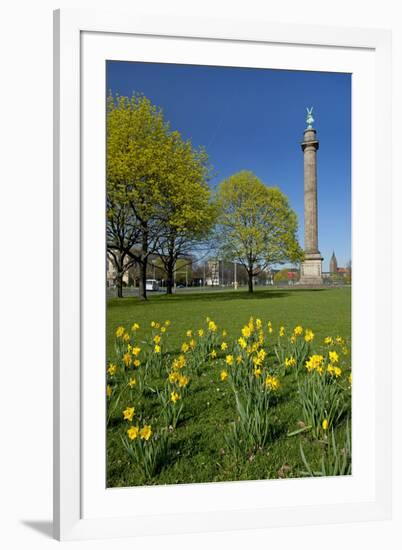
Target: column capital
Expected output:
[311,144]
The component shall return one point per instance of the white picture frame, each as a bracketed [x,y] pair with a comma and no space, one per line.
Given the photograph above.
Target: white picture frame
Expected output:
[83,508]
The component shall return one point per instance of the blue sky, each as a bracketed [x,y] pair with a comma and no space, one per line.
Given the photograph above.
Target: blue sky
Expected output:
[254,119]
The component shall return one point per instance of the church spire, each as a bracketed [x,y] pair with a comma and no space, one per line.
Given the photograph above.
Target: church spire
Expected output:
[333,263]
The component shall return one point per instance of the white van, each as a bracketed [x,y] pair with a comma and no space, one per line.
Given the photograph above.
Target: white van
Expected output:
[151,284]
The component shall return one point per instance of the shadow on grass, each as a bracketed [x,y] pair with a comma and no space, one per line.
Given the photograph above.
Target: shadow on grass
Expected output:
[223,296]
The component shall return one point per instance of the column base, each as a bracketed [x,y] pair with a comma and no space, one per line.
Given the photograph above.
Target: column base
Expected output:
[311,270]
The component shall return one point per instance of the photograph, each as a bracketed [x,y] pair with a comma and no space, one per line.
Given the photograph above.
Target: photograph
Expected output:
[228,274]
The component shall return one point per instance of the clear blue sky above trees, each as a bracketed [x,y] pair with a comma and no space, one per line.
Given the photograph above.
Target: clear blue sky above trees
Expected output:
[254,119]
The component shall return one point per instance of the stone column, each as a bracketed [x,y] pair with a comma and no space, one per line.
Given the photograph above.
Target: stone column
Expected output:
[311,268]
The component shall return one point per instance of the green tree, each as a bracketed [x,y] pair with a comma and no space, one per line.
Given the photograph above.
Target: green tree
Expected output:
[161,179]
[187,211]
[256,225]
[283,275]
[138,142]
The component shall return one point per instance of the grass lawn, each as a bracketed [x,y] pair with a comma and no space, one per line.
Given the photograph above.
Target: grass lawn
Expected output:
[198,451]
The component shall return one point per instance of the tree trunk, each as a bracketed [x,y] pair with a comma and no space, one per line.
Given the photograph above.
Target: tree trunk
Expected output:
[119,284]
[250,281]
[142,293]
[142,287]
[169,276]
[169,284]
[170,265]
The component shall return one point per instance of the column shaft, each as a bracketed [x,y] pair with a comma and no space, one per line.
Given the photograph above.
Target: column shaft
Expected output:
[310,201]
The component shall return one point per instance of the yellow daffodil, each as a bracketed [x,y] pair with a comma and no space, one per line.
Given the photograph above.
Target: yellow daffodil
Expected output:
[224,333]
[201,332]
[173,376]
[120,331]
[229,359]
[257,372]
[133,432]
[333,356]
[282,331]
[128,413]
[212,327]
[135,327]
[189,333]
[192,343]
[213,354]
[242,342]
[314,362]
[239,359]
[258,324]
[109,390]
[325,424]
[290,362]
[337,372]
[272,383]
[174,396]
[184,347]
[167,323]
[224,346]
[328,340]
[183,381]
[132,382]
[246,331]
[136,363]
[127,359]
[163,329]
[179,362]
[136,351]
[126,337]
[112,369]
[153,324]
[293,339]
[331,369]
[157,348]
[309,335]
[339,340]
[298,331]
[157,339]
[223,375]
[146,432]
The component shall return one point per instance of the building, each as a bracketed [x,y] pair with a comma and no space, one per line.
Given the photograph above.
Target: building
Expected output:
[155,270]
[212,277]
[333,264]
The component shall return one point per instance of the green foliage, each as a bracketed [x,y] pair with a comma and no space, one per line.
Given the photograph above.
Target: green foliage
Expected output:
[159,200]
[283,276]
[322,400]
[137,145]
[336,459]
[148,457]
[171,410]
[256,226]
[251,431]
